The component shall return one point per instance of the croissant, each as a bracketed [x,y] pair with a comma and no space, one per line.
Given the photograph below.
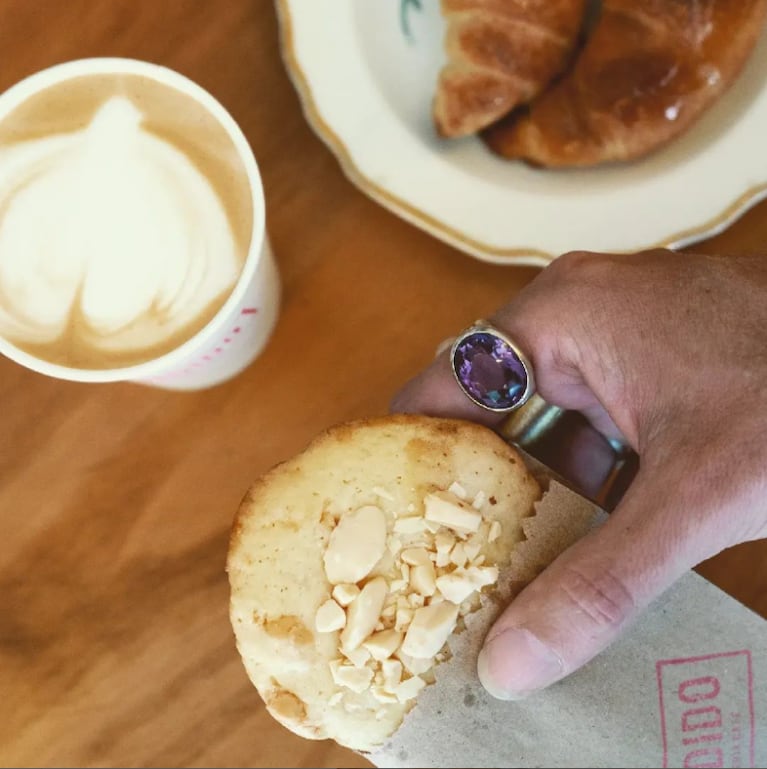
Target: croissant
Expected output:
[501,53]
[648,70]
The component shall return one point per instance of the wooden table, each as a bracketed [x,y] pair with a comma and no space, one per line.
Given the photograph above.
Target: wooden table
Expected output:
[116,500]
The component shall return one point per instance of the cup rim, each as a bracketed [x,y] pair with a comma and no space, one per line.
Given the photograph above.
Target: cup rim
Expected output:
[57,73]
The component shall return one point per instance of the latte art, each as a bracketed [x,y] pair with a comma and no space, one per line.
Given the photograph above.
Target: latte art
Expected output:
[109,234]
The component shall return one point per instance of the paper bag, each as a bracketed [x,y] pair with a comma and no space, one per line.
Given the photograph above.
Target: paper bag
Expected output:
[686,685]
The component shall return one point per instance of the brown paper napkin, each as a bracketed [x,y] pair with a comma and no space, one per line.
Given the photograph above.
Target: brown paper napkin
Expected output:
[685,686]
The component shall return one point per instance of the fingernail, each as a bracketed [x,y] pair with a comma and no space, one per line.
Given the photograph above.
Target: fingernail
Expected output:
[515,663]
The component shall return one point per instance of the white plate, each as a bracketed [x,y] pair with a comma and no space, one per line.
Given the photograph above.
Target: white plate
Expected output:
[365,71]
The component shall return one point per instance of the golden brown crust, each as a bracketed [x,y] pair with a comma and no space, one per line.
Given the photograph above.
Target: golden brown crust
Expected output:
[501,53]
[649,69]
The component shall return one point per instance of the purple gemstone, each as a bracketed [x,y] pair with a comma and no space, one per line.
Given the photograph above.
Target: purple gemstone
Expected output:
[490,371]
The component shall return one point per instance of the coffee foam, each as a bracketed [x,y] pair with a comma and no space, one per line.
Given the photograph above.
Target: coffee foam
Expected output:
[115,244]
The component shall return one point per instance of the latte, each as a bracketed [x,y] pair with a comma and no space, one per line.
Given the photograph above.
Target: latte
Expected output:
[125,220]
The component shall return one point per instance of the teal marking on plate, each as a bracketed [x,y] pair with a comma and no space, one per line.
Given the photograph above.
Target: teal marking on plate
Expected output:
[404,19]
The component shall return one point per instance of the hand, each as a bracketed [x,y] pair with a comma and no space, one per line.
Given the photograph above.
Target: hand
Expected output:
[667,352]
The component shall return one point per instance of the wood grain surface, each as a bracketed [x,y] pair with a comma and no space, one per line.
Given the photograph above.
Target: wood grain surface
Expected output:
[116,500]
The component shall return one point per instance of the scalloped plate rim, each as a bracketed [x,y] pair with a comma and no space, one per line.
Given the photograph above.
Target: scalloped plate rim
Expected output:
[504,255]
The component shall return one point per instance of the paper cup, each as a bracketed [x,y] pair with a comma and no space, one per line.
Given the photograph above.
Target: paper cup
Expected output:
[235,336]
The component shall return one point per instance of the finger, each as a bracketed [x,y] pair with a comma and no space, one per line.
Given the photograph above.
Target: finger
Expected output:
[560,382]
[587,597]
[573,449]
[436,393]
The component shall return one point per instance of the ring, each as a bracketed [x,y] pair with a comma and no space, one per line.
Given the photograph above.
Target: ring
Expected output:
[490,369]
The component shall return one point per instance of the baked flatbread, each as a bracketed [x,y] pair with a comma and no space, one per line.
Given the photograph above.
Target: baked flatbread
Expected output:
[408,517]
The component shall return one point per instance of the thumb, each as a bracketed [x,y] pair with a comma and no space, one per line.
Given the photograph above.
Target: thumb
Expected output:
[586,597]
